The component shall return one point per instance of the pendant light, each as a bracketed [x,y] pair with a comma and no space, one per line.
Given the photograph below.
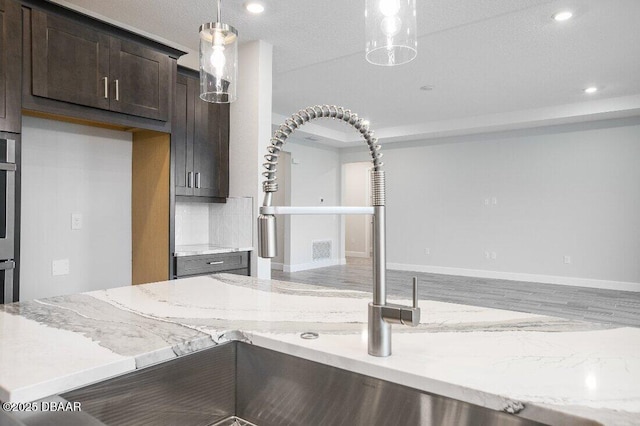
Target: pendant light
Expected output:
[218,61]
[391,31]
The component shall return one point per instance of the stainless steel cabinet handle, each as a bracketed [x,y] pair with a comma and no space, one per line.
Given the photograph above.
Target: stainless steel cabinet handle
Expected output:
[9,153]
[189,180]
[197,179]
[117,90]
[219,262]
[106,87]
[9,264]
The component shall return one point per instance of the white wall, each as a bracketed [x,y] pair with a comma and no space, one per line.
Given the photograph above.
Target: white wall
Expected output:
[562,191]
[315,181]
[250,132]
[69,168]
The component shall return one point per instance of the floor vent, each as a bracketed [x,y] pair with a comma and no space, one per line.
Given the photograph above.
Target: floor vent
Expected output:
[321,250]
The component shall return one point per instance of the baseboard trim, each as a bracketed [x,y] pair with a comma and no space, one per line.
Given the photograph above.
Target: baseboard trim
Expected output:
[313,265]
[515,276]
[356,254]
[275,266]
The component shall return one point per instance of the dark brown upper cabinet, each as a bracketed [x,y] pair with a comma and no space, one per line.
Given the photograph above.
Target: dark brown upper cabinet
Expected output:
[140,80]
[10,66]
[70,61]
[76,63]
[200,140]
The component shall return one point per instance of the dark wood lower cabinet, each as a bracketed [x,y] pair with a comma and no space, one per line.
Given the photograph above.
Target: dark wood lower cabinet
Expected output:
[234,263]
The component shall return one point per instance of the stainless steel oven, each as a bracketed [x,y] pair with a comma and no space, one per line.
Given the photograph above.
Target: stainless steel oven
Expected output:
[8,171]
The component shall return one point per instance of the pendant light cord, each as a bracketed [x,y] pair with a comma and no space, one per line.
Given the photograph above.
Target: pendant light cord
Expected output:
[219,18]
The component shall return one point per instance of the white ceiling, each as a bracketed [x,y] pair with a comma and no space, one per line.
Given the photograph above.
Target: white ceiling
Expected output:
[494,64]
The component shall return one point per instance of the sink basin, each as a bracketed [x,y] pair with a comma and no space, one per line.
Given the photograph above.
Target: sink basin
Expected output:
[246,384]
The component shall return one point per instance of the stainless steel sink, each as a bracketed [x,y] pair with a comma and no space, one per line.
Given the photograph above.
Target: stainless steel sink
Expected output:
[244,383]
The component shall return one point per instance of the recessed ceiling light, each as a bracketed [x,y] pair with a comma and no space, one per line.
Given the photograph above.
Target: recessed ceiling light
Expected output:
[563,16]
[254,7]
[591,89]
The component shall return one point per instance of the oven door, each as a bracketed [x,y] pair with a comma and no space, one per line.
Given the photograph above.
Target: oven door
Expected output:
[7,196]
[6,281]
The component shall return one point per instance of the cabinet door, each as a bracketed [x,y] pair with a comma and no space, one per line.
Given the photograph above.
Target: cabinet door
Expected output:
[10,59]
[70,61]
[182,136]
[141,80]
[211,149]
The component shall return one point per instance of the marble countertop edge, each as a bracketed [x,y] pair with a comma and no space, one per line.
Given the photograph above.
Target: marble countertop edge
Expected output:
[203,249]
[502,360]
[69,382]
[377,368]
[366,365]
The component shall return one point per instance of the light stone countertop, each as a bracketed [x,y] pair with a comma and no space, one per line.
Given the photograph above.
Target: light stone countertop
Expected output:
[489,357]
[199,249]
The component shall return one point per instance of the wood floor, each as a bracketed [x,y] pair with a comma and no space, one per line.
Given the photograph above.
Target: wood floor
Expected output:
[589,304]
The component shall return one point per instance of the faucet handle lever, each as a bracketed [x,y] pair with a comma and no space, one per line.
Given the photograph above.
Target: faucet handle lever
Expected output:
[400,314]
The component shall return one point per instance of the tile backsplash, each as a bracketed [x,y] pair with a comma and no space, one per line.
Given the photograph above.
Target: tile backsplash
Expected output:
[228,225]
[192,223]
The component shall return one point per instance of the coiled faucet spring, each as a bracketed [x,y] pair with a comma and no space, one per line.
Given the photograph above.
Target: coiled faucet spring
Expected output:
[300,118]
[381,314]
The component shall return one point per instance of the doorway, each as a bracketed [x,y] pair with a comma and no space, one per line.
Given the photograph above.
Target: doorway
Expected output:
[356,192]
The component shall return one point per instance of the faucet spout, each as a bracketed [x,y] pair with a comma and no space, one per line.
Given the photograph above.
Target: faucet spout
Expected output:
[381,314]
[267,247]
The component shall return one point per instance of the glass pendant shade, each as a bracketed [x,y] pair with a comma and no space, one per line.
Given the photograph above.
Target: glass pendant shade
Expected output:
[391,31]
[218,62]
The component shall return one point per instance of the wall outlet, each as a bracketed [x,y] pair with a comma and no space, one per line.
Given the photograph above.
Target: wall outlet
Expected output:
[486,201]
[60,267]
[494,200]
[427,251]
[566,260]
[76,221]
[487,255]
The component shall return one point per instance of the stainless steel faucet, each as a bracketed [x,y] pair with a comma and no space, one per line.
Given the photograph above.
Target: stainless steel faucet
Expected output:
[381,313]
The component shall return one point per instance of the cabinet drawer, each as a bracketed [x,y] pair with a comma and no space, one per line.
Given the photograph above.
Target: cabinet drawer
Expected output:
[210,263]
